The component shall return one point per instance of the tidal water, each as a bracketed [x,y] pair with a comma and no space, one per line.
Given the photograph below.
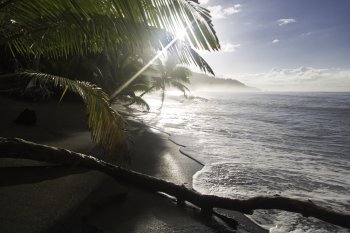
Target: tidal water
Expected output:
[291,144]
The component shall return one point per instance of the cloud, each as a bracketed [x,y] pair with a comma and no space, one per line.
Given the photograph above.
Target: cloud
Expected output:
[282,22]
[232,10]
[226,47]
[306,34]
[275,41]
[299,79]
[229,48]
[218,12]
[203,2]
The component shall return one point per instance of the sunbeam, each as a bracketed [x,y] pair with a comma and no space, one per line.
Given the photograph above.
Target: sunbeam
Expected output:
[179,36]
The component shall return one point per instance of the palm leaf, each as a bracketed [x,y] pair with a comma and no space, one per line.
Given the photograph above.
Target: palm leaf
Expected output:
[65,27]
[140,87]
[56,29]
[106,125]
[181,87]
[141,102]
[187,55]
[180,73]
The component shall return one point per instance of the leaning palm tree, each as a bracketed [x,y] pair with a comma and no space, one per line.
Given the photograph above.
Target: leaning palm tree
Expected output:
[118,67]
[60,29]
[170,74]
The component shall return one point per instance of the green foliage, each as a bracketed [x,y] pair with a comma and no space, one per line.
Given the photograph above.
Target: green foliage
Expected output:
[170,75]
[79,31]
[105,124]
[61,28]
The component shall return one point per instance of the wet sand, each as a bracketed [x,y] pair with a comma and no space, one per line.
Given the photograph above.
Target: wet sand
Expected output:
[41,197]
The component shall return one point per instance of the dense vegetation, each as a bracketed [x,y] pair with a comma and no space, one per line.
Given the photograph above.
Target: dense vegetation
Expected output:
[93,47]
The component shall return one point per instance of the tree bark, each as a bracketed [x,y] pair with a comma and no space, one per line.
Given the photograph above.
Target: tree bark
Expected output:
[21,149]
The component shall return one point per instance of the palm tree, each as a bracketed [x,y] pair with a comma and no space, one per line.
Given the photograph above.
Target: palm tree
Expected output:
[171,74]
[61,29]
[118,67]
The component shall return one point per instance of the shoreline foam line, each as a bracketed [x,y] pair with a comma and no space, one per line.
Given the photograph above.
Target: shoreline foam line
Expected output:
[184,153]
[176,143]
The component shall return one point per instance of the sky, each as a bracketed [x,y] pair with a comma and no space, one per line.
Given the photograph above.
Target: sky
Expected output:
[278,45]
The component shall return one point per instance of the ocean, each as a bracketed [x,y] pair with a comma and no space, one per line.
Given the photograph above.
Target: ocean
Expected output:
[291,144]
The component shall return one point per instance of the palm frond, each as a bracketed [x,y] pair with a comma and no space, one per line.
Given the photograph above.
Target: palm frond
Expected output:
[181,87]
[65,27]
[134,100]
[150,89]
[140,87]
[141,102]
[180,73]
[106,125]
[187,55]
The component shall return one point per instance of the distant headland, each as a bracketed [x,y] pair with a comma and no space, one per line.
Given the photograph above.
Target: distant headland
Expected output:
[200,81]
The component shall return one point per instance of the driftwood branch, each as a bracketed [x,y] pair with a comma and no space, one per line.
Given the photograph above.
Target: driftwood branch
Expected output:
[21,149]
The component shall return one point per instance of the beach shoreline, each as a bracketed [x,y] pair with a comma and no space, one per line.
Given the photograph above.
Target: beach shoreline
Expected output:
[190,167]
[40,197]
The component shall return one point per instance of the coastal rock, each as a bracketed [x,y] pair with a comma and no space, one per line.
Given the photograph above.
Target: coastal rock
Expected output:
[27,118]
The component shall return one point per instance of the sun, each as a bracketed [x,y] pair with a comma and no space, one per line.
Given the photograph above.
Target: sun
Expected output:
[180,34]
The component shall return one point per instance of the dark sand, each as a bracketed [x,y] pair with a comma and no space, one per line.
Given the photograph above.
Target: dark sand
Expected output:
[40,197]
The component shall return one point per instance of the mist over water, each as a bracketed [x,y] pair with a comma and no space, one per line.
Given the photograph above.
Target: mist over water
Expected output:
[291,144]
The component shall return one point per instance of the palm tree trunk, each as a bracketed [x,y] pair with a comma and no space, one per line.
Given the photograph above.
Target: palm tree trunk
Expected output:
[163,97]
[147,91]
[21,149]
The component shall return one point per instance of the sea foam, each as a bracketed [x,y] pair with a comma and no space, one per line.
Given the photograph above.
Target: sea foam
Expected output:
[292,144]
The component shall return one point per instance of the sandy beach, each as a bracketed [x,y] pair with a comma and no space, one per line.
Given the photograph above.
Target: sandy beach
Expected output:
[41,197]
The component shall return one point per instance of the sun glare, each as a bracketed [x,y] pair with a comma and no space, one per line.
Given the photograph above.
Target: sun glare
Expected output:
[181,34]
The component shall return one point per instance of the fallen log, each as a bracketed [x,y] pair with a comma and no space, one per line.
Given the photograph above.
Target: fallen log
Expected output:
[21,149]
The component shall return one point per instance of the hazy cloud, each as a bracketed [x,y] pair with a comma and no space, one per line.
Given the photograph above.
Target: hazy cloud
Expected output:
[218,12]
[203,1]
[232,10]
[275,41]
[299,79]
[229,48]
[282,22]
[226,47]
[306,34]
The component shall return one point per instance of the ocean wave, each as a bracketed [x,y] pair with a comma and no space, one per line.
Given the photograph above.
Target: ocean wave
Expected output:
[295,145]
